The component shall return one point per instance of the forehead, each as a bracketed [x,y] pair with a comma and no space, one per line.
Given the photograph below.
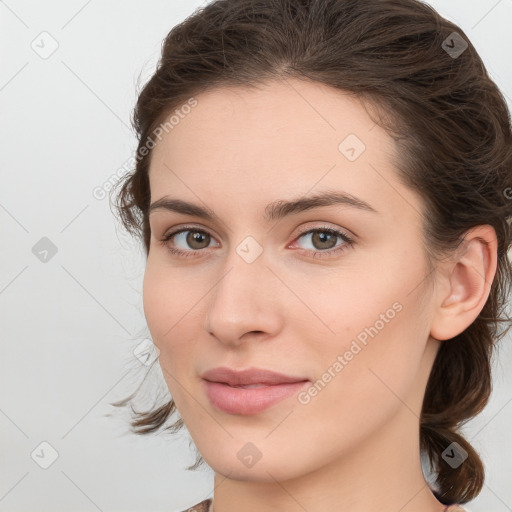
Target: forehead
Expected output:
[270,116]
[279,140]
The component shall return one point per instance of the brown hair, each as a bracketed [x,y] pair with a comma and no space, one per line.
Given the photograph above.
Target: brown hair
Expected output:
[448,117]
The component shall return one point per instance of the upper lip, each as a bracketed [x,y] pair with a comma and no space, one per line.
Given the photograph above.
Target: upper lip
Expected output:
[249,376]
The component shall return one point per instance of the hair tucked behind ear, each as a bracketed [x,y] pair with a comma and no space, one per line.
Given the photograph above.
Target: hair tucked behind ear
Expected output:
[449,120]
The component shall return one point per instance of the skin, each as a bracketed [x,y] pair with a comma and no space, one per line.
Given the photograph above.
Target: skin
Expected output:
[355,445]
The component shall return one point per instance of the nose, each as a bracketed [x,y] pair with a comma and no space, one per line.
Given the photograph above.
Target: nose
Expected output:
[243,304]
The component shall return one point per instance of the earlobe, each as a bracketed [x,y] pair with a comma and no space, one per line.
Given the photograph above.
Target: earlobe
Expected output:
[468,282]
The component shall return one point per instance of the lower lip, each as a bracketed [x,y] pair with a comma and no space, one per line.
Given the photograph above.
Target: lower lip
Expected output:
[249,400]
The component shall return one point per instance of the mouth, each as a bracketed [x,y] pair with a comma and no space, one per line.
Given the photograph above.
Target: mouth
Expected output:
[249,391]
[249,386]
[248,377]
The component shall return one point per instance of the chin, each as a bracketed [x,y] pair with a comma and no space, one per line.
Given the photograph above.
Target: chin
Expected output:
[277,466]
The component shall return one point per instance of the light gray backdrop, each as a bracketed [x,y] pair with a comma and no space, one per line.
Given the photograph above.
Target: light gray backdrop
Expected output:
[70,285]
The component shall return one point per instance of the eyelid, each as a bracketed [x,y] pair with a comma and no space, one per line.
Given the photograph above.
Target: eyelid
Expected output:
[326,227]
[186,227]
[308,228]
[332,253]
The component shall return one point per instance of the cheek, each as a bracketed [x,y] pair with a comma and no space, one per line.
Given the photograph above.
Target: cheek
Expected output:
[156,299]
[359,386]
[164,296]
[169,324]
[374,332]
[164,300]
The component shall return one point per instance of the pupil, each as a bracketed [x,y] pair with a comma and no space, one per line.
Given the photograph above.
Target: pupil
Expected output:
[324,237]
[196,237]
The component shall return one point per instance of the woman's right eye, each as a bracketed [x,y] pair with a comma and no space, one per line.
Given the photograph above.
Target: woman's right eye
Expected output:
[190,237]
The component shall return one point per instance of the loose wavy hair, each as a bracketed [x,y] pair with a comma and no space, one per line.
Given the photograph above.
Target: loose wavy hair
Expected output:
[448,117]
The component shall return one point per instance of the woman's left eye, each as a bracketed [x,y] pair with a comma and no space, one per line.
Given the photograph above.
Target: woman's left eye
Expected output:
[324,238]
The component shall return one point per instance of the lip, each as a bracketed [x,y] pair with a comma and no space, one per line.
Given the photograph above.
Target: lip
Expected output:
[248,376]
[223,387]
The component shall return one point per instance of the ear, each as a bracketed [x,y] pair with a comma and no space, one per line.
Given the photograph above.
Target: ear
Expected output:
[464,283]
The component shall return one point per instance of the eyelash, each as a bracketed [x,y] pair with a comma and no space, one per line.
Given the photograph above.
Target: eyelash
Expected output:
[348,241]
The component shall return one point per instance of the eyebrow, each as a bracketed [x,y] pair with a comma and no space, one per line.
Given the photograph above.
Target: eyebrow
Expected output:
[273,211]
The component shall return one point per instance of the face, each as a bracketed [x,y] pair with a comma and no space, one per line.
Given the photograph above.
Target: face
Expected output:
[332,294]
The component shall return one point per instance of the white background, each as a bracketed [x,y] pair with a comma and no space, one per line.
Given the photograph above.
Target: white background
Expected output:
[70,325]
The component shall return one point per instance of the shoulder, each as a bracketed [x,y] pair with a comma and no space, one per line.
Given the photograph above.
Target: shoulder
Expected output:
[204,506]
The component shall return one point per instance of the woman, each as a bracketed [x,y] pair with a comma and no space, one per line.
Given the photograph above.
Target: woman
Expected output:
[323,191]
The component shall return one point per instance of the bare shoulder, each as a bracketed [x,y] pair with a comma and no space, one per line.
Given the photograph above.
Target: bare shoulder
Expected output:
[456,508]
